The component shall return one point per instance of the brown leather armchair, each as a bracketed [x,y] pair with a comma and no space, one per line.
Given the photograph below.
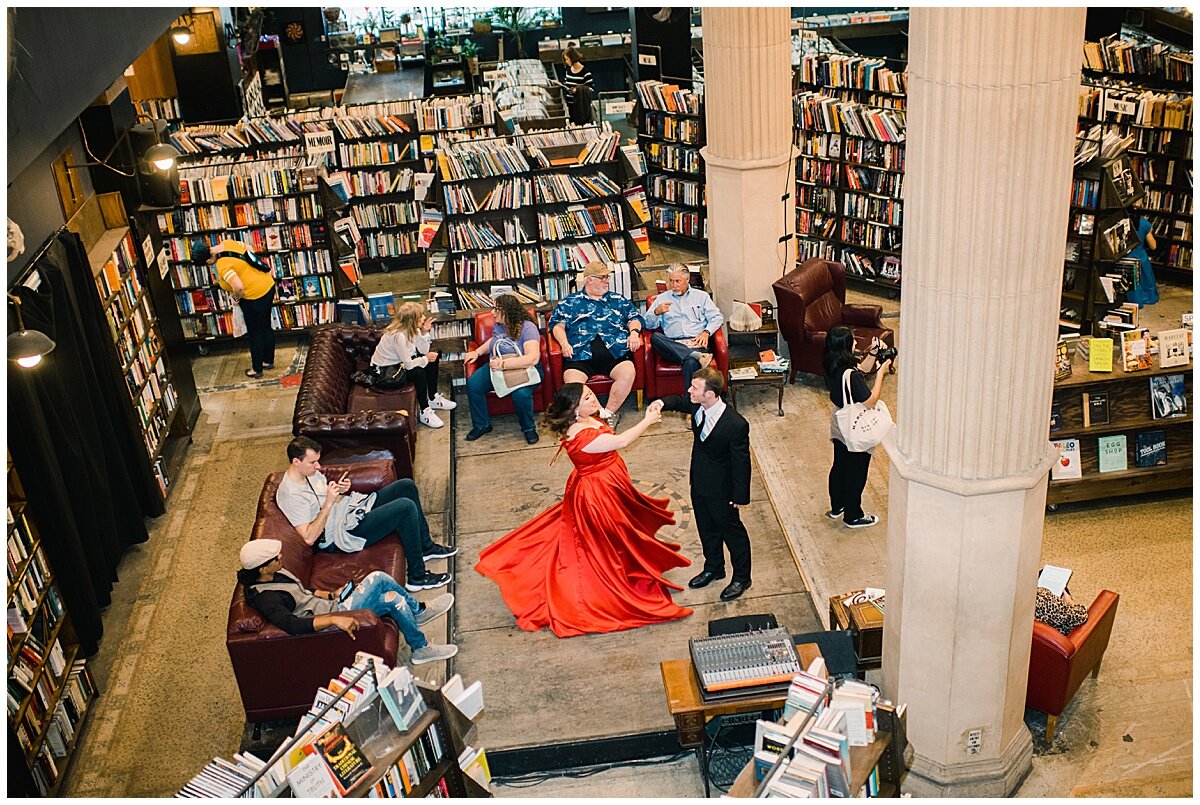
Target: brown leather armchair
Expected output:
[347,419]
[277,673]
[1059,663]
[810,300]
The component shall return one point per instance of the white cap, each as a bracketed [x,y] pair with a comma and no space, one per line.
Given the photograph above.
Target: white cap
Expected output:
[257,552]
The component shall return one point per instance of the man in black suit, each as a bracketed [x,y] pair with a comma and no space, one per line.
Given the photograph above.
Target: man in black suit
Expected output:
[720,479]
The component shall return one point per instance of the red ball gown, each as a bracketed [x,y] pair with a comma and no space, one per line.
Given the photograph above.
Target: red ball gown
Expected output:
[590,563]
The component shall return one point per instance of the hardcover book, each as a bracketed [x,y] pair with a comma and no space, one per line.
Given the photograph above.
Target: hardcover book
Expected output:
[1062,362]
[1135,350]
[1168,396]
[1095,409]
[1067,466]
[1173,348]
[1100,354]
[1151,448]
[1055,416]
[345,761]
[1112,453]
[382,306]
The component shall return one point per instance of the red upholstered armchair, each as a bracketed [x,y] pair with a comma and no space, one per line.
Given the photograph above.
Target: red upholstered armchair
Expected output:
[811,299]
[1058,663]
[664,378]
[277,673]
[599,384]
[485,320]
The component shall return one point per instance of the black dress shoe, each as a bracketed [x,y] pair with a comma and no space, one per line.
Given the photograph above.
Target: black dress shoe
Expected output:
[734,590]
[704,579]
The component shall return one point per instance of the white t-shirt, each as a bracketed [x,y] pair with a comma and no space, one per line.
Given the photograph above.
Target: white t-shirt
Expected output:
[395,347]
[301,502]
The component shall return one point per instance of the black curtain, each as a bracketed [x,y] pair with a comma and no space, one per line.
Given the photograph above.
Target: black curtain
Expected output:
[73,442]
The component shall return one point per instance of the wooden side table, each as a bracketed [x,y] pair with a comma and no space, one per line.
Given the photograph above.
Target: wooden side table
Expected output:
[743,351]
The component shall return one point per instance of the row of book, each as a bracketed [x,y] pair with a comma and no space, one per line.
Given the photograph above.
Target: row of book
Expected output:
[870,235]
[1162,142]
[481,299]
[313,286]
[260,212]
[377,244]
[26,590]
[247,184]
[689,130]
[467,234]
[495,266]
[580,221]
[21,542]
[887,211]
[156,427]
[681,222]
[818,171]
[118,269]
[602,149]
[1142,108]
[203,300]
[873,153]
[573,256]
[142,365]
[881,267]
[679,158]
[1158,200]
[1112,454]
[158,108]
[870,181]
[394,214]
[838,70]
[1154,171]
[375,154]
[359,128]
[1179,256]
[677,191]
[562,187]
[816,199]
[375,183]
[1085,192]
[438,114]
[1114,55]
[661,97]
[246,133]
[815,111]
[816,224]
[478,163]
[508,194]
[77,696]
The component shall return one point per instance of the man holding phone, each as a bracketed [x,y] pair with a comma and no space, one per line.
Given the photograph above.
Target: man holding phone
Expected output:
[285,602]
[331,517]
[689,319]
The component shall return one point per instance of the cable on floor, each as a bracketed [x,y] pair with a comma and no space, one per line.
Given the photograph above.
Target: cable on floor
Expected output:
[537,778]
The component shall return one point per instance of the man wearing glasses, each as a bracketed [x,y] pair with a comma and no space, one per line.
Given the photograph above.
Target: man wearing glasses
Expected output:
[600,332]
[688,318]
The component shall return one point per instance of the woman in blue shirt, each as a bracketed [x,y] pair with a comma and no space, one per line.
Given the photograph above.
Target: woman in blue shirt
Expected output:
[518,351]
[1146,290]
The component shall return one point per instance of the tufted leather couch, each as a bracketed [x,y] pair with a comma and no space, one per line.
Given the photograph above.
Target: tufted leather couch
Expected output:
[1059,663]
[348,419]
[812,299]
[278,673]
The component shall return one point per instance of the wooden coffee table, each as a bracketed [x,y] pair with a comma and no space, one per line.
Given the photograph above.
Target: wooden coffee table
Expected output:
[776,379]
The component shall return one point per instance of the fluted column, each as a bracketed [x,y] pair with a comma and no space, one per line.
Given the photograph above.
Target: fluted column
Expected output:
[992,104]
[748,118]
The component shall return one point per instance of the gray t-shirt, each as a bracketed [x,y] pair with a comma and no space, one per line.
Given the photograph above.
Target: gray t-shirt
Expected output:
[301,502]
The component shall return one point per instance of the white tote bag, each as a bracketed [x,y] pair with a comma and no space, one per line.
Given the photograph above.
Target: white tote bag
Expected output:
[239,322]
[506,381]
[861,427]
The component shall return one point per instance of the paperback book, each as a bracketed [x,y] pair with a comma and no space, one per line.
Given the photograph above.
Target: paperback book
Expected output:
[1174,348]
[1168,396]
[1112,452]
[1067,466]
[1151,448]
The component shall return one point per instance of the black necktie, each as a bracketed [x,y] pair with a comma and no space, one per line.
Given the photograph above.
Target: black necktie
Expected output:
[700,425]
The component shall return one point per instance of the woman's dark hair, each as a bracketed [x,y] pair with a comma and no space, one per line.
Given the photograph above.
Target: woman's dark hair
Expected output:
[512,313]
[560,415]
[201,253]
[839,350]
[573,55]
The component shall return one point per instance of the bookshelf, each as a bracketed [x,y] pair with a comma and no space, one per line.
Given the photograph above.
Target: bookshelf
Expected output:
[123,296]
[50,689]
[863,79]
[671,132]
[1130,413]
[850,186]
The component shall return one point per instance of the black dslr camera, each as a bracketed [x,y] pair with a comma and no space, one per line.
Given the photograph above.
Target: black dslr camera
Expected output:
[885,353]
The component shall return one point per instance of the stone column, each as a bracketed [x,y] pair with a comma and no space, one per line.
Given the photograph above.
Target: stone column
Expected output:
[749,157]
[992,104]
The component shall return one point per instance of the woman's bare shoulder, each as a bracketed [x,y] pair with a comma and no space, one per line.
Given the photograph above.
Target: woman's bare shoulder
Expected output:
[579,427]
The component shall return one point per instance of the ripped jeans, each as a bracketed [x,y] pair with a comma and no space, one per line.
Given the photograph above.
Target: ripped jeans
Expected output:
[384,596]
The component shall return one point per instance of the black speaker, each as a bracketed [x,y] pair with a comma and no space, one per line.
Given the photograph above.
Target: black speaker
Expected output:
[158,188]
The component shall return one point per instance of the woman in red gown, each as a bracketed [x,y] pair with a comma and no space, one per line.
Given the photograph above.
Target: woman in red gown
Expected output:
[591,563]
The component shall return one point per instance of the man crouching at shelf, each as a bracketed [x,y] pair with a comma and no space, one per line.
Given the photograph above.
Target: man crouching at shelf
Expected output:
[285,602]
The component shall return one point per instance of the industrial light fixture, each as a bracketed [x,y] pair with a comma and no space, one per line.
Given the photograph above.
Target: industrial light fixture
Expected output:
[161,156]
[153,161]
[27,347]
[182,32]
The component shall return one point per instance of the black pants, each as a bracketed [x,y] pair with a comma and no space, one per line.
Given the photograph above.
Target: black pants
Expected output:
[425,378]
[720,526]
[847,479]
[675,352]
[257,313]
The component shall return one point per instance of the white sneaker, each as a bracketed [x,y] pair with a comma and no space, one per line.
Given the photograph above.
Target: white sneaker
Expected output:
[440,403]
[428,417]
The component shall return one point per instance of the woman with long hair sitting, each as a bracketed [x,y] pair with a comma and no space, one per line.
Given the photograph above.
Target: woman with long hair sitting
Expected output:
[406,341]
[515,344]
[848,476]
[592,562]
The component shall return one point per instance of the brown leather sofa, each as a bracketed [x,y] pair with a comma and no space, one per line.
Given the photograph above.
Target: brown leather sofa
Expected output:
[278,673]
[1059,663]
[811,299]
[347,419]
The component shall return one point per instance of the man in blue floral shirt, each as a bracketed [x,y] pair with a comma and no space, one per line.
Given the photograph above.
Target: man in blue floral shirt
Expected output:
[600,333]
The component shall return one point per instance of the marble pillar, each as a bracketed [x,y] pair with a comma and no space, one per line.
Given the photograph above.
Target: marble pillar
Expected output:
[991,120]
[749,159]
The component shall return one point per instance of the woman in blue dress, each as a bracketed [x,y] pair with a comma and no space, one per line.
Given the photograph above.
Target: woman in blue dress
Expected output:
[1146,290]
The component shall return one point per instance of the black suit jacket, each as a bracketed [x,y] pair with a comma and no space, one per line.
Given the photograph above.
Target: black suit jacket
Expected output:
[720,463]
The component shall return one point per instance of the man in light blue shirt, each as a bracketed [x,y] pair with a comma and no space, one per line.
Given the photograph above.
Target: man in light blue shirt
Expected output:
[685,319]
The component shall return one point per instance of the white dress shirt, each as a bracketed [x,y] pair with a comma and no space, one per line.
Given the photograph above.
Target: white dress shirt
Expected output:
[711,415]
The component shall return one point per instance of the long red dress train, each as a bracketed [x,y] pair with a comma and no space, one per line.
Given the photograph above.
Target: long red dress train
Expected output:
[590,563]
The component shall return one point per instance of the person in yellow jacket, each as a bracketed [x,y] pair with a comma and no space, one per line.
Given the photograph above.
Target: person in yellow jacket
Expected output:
[249,281]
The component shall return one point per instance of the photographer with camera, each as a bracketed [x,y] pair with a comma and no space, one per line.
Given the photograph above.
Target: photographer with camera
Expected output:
[848,476]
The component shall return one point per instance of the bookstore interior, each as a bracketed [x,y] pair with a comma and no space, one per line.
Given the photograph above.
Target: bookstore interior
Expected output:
[360,197]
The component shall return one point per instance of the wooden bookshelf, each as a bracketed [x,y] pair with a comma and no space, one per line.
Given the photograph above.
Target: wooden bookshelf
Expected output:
[50,687]
[1130,413]
[671,132]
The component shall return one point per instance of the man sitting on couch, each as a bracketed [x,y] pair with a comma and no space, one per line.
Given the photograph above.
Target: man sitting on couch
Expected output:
[284,601]
[325,515]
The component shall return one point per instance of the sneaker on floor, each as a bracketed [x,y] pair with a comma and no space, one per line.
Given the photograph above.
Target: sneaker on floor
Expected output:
[436,551]
[440,403]
[428,417]
[432,653]
[531,436]
[429,581]
[835,514]
[435,609]
[478,432]
[862,522]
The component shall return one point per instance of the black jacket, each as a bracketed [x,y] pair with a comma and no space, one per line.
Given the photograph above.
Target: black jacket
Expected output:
[720,463]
